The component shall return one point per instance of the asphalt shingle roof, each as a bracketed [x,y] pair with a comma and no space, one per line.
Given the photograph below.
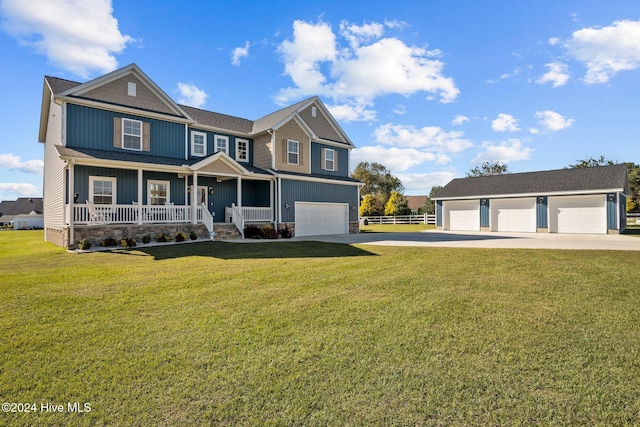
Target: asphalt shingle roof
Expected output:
[541,183]
[22,206]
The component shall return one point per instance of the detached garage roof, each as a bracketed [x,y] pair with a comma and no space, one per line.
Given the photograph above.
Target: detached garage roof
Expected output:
[563,181]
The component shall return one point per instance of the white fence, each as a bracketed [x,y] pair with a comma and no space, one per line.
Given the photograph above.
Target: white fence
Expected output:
[401,219]
[633,218]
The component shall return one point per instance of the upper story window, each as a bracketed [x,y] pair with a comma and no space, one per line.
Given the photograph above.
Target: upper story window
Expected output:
[242,150]
[222,143]
[198,144]
[329,159]
[102,190]
[131,134]
[293,150]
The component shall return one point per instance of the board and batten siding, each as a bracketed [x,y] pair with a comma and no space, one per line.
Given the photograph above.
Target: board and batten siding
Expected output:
[317,160]
[485,213]
[309,191]
[612,211]
[542,213]
[211,145]
[54,174]
[89,127]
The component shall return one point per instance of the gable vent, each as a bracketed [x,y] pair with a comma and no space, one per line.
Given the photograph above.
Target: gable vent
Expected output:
[131,89]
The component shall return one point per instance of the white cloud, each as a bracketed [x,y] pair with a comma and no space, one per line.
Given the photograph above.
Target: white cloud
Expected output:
[79,36]
[354,73]
[553,121]
[557,75]
[505,123]
[394,158]
[554,41]
[423,182]
[534,131]
[13,190]
[432,138]
[400,109]
[606,50]
[13,162]
[352,113]
[239,53]
[459,119]
[191,95]
[507,151]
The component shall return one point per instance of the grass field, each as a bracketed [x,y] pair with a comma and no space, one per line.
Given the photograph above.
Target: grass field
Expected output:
[303,333]
[395,228]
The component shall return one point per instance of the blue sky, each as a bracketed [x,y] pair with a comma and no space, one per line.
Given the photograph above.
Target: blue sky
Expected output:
[429,89]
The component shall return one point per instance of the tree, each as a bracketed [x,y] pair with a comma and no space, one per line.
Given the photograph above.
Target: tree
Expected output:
[488,169]
[429,206]
[591,162]
[397,205]
[379,183]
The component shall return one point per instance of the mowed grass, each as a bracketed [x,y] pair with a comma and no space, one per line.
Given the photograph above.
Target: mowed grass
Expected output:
[395,228]
[303,333]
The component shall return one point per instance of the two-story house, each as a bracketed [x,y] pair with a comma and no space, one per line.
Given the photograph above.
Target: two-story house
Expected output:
[122,159]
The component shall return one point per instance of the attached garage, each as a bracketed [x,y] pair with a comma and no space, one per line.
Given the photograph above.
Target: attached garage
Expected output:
[578,214]
[513,215]
[462,215]
[314,219]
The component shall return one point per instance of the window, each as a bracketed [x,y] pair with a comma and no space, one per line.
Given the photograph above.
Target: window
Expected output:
[242,150]
[102,190]
[158,192]
[131,134]
[198,144]
[329,159]
[222,143]
[292,152]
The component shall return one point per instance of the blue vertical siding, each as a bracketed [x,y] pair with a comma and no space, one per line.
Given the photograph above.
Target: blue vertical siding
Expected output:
[224,194]
[612,211]
[439,213]
[316,160]
[484,212]
[622,208]
[126,182]
[542,213]
[93,128]
[176,186]
[305,191]
[256,193]
[211,146]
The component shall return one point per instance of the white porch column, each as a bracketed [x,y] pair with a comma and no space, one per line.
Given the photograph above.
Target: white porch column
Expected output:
[70,196]
[140,195]
[271,200]
[194,199]
[239,191]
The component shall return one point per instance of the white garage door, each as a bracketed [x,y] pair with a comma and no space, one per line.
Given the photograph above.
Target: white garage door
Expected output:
[578,214]
[516,215]
[313,219]
[461,215]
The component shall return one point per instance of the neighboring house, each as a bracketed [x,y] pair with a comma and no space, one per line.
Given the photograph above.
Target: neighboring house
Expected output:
[416,203]
[585,200]
[122,158]
[24,213]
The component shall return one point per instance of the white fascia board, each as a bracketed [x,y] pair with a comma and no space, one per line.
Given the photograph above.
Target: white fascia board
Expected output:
[315,179]
[199,126]
[545,194]
[306,129]
[221,156]
[332,121]
[151,167]
[332,143]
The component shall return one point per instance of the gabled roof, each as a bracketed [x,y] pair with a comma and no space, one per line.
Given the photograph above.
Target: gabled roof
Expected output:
[272,120]
[416,202]
[219,121]
[562,181]
[22,206]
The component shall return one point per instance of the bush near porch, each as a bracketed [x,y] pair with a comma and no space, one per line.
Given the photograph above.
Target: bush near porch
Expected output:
[311,333]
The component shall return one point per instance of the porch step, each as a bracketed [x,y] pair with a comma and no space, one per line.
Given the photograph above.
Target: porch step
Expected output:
[225,231]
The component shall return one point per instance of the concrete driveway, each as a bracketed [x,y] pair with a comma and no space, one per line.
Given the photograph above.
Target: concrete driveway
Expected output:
[438,238]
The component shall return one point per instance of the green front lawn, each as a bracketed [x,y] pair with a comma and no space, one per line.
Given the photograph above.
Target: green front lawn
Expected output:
[304,333]
[395,228]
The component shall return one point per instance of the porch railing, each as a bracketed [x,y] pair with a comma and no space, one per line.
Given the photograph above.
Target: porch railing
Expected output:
[205,217]
[256,214]
[237,218]
[130,214]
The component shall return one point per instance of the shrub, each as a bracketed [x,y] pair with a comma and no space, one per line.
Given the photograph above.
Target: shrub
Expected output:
[109,241]
[285,232]
[84,244]
[268,232]
[193,235]
[161,237]
[252,232]
[127,243]
[146,239]
[180,236]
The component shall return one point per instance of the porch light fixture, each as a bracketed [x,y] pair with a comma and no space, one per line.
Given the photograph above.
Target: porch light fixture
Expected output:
[540,199]
[210,190]
[287,206]
[353,208]
[611,197]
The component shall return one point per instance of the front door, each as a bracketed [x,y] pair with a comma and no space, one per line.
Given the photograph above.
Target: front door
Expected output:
[203,195]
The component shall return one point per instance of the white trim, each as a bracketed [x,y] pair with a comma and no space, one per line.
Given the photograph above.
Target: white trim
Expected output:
[314,179]
[114,188]
[160,182]
[215,144]
[195,133]
[131,89]
[238,141]
[546,194]
[297,152]
[141,136]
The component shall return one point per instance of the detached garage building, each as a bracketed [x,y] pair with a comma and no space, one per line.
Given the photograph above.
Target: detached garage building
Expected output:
[585,200]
